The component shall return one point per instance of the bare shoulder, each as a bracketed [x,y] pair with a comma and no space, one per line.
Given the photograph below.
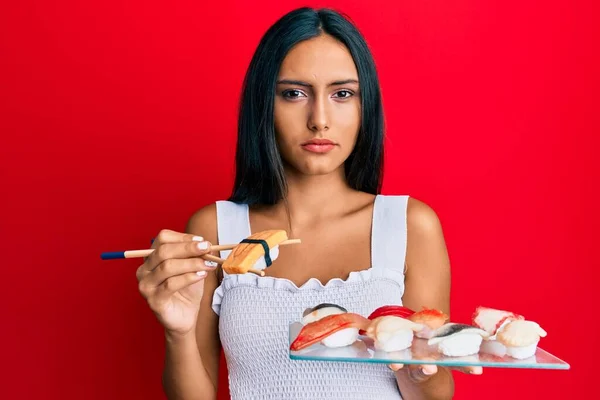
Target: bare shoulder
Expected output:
[203,222]
[427,263]
[421,219]
[425,247]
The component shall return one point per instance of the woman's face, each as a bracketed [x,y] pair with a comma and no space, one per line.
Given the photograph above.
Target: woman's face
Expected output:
[317,106]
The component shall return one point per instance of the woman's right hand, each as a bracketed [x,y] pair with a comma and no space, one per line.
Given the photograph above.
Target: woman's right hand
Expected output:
[172,279]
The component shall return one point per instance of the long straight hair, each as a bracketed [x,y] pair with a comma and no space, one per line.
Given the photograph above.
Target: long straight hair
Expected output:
[259,177]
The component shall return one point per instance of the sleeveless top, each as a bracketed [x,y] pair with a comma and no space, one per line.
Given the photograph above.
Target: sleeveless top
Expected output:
[255,313]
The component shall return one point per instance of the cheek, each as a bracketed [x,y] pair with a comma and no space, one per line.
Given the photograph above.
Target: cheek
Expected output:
[290,122]
[348,121]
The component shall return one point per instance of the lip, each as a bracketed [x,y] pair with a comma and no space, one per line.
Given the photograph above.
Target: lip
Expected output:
[318,141]
[318,145]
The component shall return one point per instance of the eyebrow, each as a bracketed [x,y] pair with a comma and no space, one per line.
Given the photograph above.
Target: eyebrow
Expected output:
[306,84]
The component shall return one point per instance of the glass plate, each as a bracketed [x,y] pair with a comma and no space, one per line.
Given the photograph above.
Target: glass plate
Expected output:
[419,353]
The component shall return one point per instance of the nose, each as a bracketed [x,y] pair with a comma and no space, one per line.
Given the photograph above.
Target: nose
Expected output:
[318,119]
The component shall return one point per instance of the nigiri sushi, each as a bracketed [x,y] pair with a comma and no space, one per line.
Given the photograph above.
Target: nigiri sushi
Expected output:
[397,311]
[492,320]
[493,347]
[321,310]
[431,319]
[458,340]
[317,331]
[261,263]
[341,338]
[521,338]
[255,253]
[391,333]
[394,310]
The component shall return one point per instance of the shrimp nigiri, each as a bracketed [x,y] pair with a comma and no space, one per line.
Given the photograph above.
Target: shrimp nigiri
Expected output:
[341,338]
[317,331]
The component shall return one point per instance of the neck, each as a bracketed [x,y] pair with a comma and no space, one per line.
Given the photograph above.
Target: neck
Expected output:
[312,197]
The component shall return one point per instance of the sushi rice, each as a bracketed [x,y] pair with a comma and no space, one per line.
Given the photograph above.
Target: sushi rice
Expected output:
[344,337]
[522,352]
[493,347]
[261,264]
[397,341]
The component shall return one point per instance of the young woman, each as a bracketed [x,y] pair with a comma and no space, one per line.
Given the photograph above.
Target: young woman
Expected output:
[309,160]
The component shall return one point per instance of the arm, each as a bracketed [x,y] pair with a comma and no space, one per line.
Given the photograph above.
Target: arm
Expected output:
[427,284]
[192,361]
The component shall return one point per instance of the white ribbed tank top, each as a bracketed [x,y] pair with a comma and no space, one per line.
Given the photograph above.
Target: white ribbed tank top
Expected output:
[255,313]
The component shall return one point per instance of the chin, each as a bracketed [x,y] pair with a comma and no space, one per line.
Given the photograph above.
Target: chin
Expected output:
[317,172]
[318,169]
[320,165]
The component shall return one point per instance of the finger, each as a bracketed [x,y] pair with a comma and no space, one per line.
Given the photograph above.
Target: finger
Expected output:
[153,245]
[395,367]
[173,267]
[181,250]
[421,373]
[475,370]
[164,236]
[176,283]
[168,236]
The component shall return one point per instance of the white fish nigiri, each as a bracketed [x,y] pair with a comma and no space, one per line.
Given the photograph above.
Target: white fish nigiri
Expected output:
[319,311]
[392,333]
[458,340]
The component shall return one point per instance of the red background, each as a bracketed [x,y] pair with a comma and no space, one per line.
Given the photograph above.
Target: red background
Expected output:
[118,119]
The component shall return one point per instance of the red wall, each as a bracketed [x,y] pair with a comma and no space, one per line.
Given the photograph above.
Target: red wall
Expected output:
[118,119]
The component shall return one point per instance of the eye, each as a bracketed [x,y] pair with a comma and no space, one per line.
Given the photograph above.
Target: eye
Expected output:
[293,94]
[343,94]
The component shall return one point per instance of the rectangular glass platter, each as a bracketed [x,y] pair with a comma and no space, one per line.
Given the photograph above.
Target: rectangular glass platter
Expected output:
[419,353]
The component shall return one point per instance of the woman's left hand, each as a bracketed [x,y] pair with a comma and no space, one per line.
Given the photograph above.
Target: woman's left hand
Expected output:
[421,373]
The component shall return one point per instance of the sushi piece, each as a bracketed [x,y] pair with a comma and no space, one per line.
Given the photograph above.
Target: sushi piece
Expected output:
[262,264]
[321,310]
[521,338]
[341,338]
[392,333]
[383,311]
[493,347]
[431,319]
[493,320]
[458,340]
[255,253]
[317,331]
[398,311]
